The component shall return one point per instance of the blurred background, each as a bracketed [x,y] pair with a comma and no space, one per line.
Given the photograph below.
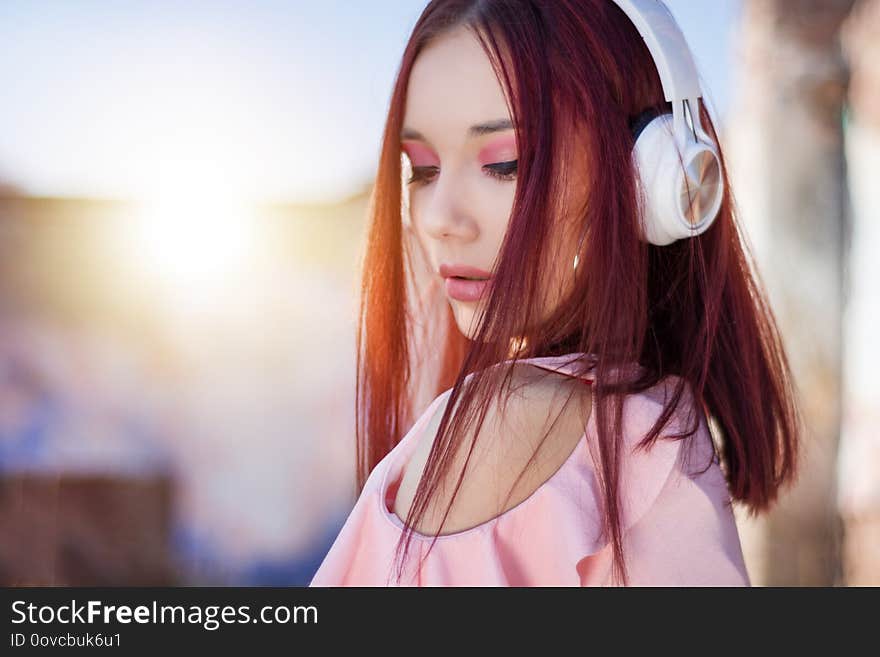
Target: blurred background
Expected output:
[183,189]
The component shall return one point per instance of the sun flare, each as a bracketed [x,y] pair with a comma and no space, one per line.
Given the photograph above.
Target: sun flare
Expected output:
[188,248]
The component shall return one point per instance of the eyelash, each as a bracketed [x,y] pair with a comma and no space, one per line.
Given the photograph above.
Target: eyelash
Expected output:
[500,171]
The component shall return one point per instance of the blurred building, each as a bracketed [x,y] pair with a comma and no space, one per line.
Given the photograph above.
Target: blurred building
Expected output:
[803,142]
[859,467]
[187,420]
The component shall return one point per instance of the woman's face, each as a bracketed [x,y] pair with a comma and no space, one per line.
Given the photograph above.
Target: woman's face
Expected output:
[459,138]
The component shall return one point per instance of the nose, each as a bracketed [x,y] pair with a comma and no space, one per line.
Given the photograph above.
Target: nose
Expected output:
[440,210]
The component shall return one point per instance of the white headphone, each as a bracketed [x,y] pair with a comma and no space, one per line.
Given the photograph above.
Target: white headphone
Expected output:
[679,170]
[678,163]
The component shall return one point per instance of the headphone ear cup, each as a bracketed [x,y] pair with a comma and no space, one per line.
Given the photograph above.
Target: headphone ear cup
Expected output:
[679,193]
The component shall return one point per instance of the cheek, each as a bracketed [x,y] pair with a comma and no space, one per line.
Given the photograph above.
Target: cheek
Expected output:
[497,211]
[486,202]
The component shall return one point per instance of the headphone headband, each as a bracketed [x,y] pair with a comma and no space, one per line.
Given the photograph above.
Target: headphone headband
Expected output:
[674,63]
[657,27]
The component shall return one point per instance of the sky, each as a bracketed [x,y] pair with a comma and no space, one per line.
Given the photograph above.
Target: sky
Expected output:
[278,101]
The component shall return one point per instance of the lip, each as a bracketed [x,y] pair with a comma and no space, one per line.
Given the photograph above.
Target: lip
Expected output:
[464,290]
[447,271]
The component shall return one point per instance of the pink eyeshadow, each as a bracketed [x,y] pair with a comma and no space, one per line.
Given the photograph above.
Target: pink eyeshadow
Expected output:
[500,150]
[420,155]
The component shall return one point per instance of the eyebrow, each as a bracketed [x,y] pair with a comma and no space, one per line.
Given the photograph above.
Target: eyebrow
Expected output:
[474,131]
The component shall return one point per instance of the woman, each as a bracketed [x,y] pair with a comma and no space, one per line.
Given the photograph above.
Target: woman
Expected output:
[584,339]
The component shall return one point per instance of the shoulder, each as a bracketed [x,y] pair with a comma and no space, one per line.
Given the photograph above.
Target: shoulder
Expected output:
[649,404]
[684,419]
[680,528]
[682,449]
[525,438]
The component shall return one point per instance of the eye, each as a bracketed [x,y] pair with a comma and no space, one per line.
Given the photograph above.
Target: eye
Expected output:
[421,175]
[503,170]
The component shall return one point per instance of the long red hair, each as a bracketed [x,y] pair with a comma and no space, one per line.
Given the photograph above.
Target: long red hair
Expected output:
[694,309]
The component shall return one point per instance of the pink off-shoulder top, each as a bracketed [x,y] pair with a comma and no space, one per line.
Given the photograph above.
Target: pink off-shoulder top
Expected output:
[679,528]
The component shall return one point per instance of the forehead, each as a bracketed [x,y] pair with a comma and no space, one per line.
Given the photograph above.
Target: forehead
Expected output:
[452,86]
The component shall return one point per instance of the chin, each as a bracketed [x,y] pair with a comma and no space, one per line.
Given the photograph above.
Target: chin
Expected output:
[465,313]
